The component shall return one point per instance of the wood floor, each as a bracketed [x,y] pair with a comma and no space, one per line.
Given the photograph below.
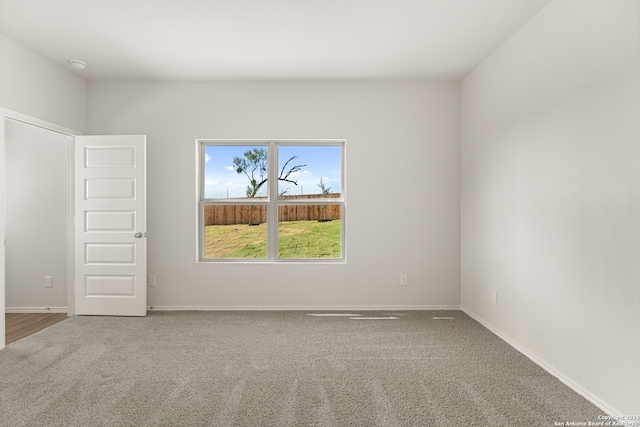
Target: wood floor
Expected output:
[20,325]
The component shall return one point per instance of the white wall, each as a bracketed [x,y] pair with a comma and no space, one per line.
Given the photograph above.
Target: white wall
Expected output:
[551,194]
[37,216]
[33,85]
[402,178]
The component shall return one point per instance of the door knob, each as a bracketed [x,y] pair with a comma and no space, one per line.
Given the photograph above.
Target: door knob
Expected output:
[138,235]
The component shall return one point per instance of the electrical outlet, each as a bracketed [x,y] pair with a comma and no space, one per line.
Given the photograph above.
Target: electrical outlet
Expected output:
[48,281]
[494,297]
[152,281]
[404,280]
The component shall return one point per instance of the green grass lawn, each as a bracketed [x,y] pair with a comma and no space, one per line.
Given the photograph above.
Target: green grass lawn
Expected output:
[297,239]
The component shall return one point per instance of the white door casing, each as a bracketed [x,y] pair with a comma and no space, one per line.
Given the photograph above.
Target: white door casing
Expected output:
[110,225]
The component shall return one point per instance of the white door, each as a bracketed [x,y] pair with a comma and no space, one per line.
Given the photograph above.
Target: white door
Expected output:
[110,225]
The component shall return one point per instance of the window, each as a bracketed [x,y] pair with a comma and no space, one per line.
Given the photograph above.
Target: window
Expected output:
[270,201]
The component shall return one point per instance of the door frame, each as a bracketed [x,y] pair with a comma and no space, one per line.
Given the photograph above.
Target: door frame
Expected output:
[10,115]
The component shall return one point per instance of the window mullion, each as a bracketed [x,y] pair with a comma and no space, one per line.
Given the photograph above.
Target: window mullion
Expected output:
[272,210]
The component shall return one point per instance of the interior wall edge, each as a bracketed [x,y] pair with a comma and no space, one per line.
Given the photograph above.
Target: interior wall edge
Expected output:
[37,86]
[569,382]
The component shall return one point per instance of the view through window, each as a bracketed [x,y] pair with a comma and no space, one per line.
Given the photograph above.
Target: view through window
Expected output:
[271,200]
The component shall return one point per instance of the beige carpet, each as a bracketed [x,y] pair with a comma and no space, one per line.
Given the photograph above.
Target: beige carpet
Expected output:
[277,369]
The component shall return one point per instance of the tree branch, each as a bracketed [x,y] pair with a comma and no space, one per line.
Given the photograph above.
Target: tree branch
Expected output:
[288,180]
[293,169]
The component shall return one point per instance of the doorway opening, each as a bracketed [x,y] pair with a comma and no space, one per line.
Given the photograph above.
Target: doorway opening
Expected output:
[37,221]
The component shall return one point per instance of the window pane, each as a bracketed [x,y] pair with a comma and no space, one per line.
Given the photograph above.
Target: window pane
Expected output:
[309,170]
[238,207]
[235,231]
[235,171]
[309,231]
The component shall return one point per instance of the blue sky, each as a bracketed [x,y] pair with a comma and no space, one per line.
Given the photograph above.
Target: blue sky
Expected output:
[222,181]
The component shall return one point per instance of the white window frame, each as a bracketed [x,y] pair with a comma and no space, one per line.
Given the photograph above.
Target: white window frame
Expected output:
[272,201]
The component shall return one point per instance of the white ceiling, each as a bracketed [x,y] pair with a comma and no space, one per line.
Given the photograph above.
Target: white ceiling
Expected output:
[206,40]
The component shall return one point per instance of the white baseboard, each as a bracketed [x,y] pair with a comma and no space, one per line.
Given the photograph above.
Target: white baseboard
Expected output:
[36,310]
[605,407]
[305,308]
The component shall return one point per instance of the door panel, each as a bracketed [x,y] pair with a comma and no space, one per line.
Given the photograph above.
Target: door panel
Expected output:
[110,246]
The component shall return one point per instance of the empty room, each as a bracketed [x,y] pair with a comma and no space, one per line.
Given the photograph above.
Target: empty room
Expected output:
[302,212]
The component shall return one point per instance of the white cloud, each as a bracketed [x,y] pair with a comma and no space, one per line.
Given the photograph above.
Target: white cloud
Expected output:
[207,158]
[230,168]
[234,185]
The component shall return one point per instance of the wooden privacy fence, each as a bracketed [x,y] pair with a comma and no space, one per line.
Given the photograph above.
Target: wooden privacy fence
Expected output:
[256,214]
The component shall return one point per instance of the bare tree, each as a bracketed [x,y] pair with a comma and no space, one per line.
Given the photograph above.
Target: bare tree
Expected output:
[253,164]
[325,190]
